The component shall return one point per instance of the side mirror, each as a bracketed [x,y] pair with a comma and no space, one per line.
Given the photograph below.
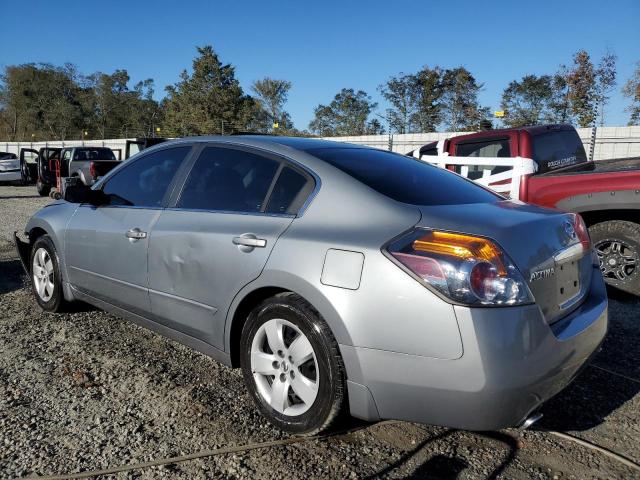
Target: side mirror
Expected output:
[80,193]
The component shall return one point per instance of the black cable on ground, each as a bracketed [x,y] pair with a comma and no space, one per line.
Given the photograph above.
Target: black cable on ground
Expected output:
[206,453]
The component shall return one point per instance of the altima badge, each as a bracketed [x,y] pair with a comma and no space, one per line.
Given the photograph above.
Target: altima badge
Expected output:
[540,274]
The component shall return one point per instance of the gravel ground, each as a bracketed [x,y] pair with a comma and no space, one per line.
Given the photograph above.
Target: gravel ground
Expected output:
[88,390]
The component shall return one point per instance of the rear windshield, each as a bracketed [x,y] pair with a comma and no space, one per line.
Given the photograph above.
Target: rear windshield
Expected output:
[558,149]
[7,156]
[94,154]
[403,178]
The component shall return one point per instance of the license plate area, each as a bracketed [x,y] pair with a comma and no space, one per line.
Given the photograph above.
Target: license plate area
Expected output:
[568,277]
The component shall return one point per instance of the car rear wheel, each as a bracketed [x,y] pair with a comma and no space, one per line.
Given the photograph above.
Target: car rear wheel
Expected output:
[292,365]
[43,190]
[45,276]
[617,244]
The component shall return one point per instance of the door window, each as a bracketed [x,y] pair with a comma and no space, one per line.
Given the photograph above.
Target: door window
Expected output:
[498,147]
[289,193]
[145,181]
[228,180]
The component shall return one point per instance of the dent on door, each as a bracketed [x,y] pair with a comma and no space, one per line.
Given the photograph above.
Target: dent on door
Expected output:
[199,261]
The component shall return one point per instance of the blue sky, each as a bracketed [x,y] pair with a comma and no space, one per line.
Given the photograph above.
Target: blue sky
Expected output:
[324,46]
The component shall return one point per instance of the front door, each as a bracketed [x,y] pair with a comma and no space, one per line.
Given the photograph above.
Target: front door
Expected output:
[216,240]
[106,246]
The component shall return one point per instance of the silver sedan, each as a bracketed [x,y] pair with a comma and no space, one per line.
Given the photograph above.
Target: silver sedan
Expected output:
[338,278]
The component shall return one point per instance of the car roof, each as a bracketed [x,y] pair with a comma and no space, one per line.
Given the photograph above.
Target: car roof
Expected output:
[303,144]
[533,130]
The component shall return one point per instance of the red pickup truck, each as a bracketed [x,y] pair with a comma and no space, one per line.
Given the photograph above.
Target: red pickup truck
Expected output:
[606,193]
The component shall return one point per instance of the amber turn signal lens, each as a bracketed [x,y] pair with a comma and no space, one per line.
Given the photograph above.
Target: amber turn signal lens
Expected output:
[461,246]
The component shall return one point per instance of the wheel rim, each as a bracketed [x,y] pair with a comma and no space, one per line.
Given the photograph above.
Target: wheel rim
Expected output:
[618,260]
[43,274]
[284,367]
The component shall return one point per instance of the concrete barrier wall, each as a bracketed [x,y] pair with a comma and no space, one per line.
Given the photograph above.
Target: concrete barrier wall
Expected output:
[611,142]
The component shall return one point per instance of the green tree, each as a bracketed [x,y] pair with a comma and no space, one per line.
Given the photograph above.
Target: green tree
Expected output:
[347,114]
[583,95]
[209,100]
[461,110]
[272,96]
[429,94]
[402,94]
[631,90]
[528,101]
[605,81]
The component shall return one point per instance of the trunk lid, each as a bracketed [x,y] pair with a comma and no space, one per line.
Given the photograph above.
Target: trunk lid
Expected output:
[541,243]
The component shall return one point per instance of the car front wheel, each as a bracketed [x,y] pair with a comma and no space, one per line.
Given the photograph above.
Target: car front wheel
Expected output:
[45,276]
[292,365]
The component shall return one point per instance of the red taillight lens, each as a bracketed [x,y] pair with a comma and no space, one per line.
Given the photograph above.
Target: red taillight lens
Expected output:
[92,170]
[581,231]
[464,268]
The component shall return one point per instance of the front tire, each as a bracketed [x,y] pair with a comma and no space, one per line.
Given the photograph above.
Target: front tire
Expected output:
[617,244]
[292,365]
[46,281]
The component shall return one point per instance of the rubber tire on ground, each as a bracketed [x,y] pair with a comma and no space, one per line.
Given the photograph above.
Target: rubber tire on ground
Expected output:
[43,190]
[57,302]
[627,232]
[331,400]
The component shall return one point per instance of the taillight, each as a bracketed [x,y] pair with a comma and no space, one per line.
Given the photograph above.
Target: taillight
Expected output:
[92,170]
[464,268]
[581,231]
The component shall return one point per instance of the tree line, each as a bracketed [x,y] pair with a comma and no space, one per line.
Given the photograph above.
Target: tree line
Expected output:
[43,101]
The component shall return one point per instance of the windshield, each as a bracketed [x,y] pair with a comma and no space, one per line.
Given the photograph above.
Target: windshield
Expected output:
[558,149]
[403,178]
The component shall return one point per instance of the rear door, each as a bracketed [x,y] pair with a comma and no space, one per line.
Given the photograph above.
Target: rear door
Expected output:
[106,246]
[218,236]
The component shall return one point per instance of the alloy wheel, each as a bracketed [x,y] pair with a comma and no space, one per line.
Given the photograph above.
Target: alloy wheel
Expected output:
[284,367]
[618,260]
[43,274]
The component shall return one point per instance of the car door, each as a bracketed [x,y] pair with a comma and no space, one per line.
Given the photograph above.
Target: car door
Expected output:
[106,246]
[216,238]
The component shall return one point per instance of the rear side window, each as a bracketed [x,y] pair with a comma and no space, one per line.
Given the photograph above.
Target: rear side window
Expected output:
[290,192]
[228,180]
[557,149]
[403,178]
[94,154]
[498,147]
[145,181]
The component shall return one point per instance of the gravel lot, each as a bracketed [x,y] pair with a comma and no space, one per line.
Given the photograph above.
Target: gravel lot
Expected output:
[88,390]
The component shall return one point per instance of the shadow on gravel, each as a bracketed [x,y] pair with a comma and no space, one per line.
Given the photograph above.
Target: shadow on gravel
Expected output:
[13,197]
[596,393]
[450,467]
[12,276]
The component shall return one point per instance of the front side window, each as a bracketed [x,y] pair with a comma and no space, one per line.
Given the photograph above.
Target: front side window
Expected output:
[228,180]
[144,183]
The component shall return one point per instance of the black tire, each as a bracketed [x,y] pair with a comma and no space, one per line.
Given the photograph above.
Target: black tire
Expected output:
[627,235]
[56,303]
[330,401]
[43,190]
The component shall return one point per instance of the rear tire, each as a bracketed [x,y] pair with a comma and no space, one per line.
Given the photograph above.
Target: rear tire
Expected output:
[617,243]
[46,281]
[292,365]
[43,190]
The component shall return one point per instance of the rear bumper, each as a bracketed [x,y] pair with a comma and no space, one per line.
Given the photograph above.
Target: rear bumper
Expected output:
[512,362]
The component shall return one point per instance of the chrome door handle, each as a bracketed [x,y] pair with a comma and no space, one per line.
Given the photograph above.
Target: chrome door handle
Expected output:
[135,234]
[249,240]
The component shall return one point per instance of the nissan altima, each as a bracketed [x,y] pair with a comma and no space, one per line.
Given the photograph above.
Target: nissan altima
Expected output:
[339,278]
